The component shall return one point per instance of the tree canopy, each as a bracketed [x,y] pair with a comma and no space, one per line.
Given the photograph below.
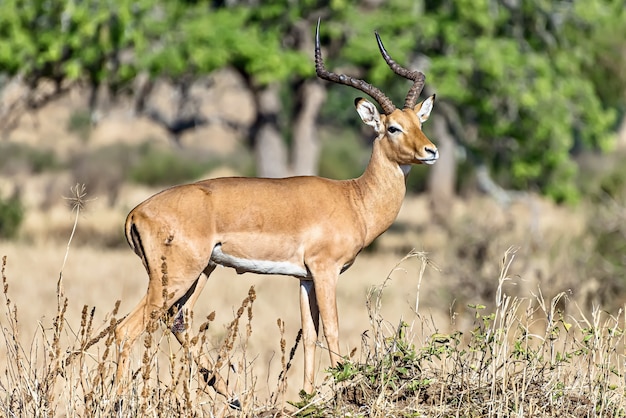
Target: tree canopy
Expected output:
[527,81]
[522,84]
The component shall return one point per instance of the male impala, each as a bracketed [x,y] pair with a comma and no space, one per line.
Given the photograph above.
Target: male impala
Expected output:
[311,228]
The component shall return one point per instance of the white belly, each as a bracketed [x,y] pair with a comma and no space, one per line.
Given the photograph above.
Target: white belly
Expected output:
[243,265]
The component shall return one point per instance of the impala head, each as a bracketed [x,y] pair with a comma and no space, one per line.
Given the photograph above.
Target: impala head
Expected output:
[401,129]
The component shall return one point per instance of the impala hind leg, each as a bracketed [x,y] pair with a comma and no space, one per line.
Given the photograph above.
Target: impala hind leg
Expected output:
[181,327]
[127,332]
[151,307]
[310,317]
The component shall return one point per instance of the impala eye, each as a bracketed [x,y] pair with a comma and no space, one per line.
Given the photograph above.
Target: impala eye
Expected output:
[393,130]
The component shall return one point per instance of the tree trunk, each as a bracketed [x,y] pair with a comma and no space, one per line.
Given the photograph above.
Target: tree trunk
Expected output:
[441,183]
[306,147]
[269,147]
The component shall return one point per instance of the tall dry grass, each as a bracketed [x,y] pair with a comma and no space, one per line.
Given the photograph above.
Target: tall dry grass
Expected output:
[502,354]
[524,358]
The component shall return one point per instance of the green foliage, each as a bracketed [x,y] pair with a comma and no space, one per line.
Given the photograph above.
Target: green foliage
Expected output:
[530,81]
[395,370]
[114,40]
[522,78]
[416,181]
[600,34]
[307,407]
[69,40]
[158,167]
[252,48]
[11,217]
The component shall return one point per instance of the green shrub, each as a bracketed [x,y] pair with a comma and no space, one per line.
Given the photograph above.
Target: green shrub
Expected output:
[158,167]
[11,217]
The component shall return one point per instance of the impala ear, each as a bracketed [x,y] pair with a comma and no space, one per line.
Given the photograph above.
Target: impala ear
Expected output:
[424,108]
[368,113]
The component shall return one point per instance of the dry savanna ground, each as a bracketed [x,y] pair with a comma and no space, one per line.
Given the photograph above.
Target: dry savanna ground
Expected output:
[488,317]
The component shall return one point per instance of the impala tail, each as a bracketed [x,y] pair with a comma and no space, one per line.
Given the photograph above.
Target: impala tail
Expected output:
[134,239]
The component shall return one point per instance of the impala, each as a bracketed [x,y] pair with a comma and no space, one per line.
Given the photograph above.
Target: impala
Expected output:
[311,228]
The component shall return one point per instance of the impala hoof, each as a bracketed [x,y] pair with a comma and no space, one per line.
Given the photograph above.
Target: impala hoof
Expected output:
[208,376]
[235,404]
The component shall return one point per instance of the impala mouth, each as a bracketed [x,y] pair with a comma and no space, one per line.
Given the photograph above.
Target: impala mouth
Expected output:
[428,161]
[433,156]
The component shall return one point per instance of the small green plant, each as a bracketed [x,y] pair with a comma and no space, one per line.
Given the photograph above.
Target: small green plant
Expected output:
[307,407]
[11,217]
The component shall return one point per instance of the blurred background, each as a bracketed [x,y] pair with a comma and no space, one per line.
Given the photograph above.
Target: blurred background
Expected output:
[130,96]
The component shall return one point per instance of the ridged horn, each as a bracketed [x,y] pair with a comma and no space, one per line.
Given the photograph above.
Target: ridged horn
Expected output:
[417,77]
[385,103]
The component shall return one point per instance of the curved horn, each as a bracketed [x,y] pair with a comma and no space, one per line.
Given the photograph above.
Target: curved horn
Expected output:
[417,76]
[384,102]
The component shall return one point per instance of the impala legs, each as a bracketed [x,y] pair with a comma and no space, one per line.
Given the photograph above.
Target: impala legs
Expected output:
[318,299]
[181,297]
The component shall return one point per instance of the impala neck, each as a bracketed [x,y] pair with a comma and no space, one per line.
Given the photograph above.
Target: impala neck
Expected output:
[380,191]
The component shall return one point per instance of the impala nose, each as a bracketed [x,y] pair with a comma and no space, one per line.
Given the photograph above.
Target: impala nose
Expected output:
[432,153]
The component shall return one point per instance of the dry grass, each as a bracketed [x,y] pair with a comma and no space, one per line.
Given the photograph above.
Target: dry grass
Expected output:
[472,338]
[96,278]
[524,358]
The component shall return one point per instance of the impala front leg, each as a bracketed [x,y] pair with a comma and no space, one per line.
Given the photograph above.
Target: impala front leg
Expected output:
[326,295]
[310,316]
